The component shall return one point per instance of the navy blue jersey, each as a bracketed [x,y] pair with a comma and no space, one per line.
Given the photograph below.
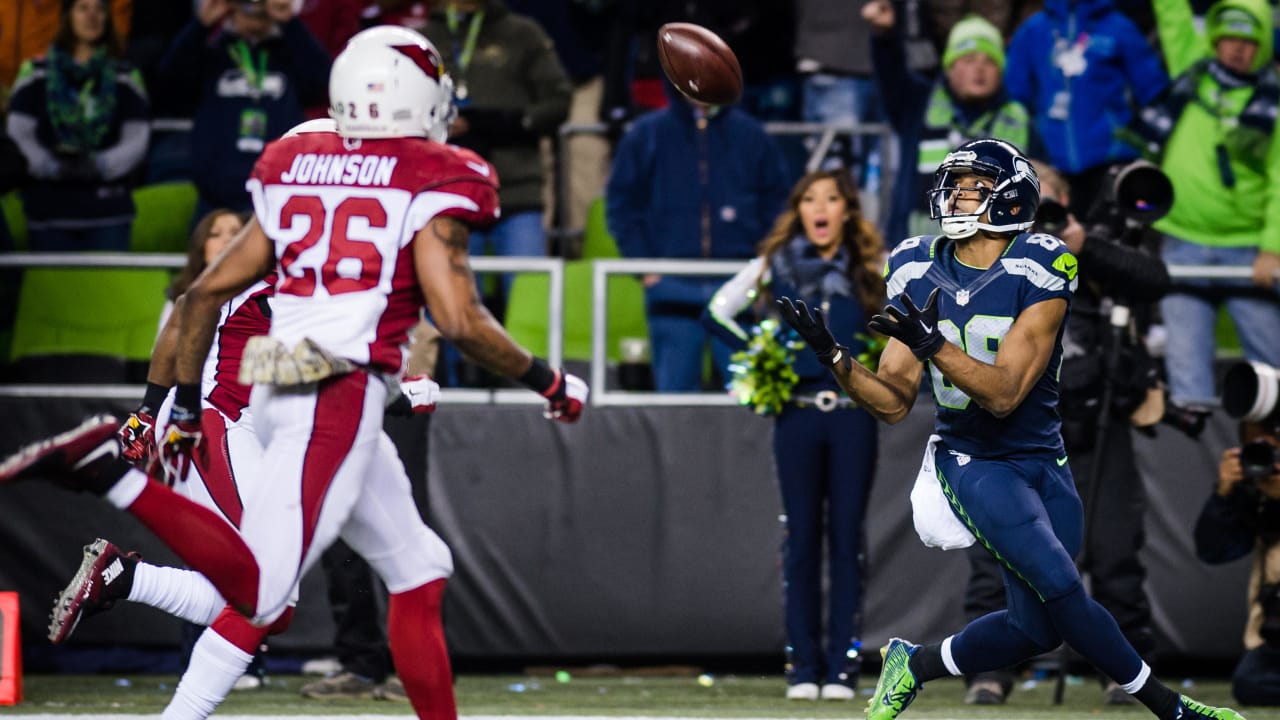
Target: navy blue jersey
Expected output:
[975,310]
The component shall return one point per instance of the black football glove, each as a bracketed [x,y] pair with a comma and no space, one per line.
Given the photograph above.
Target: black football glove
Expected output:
[917,328]
[813,328]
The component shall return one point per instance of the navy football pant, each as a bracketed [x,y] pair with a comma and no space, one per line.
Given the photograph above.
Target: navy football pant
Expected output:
[1027,514]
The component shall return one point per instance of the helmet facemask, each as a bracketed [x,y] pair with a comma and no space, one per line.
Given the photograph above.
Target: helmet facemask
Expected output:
[1008,190]
[947,193]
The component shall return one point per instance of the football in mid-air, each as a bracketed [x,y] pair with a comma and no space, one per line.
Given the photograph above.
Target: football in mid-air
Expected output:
[699,63]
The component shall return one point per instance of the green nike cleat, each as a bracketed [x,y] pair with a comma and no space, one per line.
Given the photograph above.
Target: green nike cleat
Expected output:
[1189,709]
[897,686]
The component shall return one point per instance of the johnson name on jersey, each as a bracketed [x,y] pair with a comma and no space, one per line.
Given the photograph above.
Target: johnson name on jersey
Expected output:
[976,308]
[342,215]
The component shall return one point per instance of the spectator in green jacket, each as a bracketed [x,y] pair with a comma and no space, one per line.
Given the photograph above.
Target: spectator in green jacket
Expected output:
[1213,132]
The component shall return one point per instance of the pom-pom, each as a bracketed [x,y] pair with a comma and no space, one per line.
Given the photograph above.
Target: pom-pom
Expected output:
[762,376]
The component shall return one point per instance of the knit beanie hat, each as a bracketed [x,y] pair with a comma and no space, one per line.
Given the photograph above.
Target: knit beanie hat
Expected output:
[974,34]
[1235,22]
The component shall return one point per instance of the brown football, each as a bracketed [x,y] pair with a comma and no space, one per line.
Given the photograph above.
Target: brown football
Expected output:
[699,63]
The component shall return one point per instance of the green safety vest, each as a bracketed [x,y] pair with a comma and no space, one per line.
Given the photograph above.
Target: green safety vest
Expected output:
[942,133]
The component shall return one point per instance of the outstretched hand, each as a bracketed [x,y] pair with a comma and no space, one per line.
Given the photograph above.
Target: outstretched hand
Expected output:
[566,399]
[813,328]
[137,436]
[917,328]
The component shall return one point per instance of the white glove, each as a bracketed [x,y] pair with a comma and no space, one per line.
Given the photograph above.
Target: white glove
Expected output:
[422,393]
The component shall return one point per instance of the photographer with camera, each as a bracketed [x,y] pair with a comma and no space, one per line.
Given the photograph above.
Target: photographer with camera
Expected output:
[1243,515]
[1213,131]
[1104,365]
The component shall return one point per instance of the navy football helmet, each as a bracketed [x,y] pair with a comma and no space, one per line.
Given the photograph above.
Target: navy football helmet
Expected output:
[1009,201]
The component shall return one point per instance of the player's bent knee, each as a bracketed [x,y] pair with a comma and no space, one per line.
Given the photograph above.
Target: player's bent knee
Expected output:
[281,623]
[237,630]
[429,560]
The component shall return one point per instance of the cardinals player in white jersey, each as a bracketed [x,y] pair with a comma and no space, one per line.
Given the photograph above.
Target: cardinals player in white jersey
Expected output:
[364,226]
[223,473]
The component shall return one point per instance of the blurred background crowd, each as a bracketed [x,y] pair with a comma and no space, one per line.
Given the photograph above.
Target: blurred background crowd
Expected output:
[126,121]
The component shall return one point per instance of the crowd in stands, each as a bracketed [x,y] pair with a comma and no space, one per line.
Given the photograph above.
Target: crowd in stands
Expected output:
[93,88]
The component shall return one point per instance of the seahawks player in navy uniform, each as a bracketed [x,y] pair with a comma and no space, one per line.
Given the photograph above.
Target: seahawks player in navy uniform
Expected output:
[990,332]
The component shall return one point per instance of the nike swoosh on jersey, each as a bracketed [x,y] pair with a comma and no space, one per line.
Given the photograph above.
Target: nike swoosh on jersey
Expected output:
[479,167]
[1062,461]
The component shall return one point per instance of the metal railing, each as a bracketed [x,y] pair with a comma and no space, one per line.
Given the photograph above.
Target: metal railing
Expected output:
[554,267]
[600,272]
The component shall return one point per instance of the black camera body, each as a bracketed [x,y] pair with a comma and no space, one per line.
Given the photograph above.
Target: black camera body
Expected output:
[1258,460]
[1134,196]
[1105,357]
[1051,217]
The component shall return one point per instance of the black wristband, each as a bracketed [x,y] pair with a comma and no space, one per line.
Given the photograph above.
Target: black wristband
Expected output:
[540,377]
[188,397]
[153,398]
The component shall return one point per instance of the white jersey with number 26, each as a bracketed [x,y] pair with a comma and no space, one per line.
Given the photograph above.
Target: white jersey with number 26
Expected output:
[342,215]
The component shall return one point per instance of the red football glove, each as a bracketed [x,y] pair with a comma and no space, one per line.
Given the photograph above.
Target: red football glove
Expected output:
[566,398]
[138,438]
[182,439]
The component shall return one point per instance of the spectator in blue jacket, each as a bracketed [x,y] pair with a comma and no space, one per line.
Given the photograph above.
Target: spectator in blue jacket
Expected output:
[933,115]
[691,181]
[79,116]
[1081,67]
[251,67]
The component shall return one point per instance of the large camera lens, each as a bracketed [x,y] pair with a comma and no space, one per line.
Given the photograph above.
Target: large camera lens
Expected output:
[1143,192]
[1051,217]
[1250,391]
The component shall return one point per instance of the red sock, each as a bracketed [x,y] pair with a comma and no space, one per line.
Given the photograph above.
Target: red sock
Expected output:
[204,541]
[419,652]
[238,631]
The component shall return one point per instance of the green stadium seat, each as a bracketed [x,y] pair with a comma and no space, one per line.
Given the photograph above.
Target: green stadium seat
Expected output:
[88,312]
[596,240]
[165,217]
[15,219]
[526,318]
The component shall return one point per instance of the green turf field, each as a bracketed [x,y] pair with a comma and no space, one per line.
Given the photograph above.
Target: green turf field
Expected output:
[489,695]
